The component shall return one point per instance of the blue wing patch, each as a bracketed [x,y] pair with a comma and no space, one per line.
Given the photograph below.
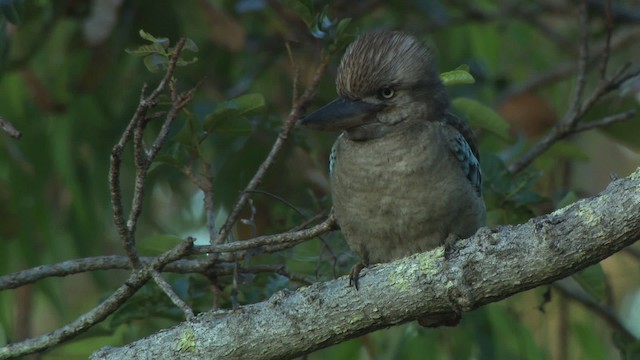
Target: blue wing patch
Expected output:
[467,160]
[332,156]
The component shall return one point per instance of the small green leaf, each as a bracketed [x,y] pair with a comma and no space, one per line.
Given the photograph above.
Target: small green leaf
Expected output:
[145,35]
[482,116]
[593,281]
[183,62]
[163,42]
[191,45]
[458,76]
[342,26]
[145,50]
[155,62]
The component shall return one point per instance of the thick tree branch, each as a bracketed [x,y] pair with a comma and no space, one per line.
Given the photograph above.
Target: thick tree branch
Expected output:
[492,265]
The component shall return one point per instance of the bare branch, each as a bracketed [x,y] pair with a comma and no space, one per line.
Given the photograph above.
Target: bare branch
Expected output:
[518,258]
[164,285]
[607,44]
[136,280]
[577,109]
[560,72]
[115,262]
[576,102]
[24,277]
[294,237]
[606,121]
[287,126]
[135,128]
[114,175]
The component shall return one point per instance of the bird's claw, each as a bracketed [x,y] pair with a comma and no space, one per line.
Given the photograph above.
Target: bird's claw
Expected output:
[449,242]
[354,275]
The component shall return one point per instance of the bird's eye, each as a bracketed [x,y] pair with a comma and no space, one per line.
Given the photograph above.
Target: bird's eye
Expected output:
[386,93]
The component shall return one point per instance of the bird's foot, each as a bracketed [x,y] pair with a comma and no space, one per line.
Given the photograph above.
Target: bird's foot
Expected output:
[354,275]
[448,244]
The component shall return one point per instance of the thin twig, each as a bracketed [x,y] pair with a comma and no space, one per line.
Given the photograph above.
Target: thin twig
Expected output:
[116,262]
[578,108]
[164,285]
[135,281]
[9,128]
[277,239]
[576,101]
[126,230]
[607,44]
[143,161]
[287,126]
[560,72]
[114,177]
[606,121]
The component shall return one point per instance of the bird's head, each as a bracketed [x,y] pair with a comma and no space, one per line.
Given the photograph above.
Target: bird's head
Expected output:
[385,80]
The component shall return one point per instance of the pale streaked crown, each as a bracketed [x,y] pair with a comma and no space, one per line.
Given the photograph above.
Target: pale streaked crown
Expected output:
[384,59]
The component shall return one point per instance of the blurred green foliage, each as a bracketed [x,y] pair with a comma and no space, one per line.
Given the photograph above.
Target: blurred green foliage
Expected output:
[70,86]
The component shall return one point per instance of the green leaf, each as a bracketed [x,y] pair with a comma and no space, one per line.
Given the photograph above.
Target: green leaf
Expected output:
[458,76]
[145,35]
[164,42]
[155,62]
[482,116]
[342,26]
[183,62]
[593,281]
[191,45]
[145,50]
[230,116]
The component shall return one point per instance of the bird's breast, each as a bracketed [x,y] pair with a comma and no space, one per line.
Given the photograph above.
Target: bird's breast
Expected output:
[400,194]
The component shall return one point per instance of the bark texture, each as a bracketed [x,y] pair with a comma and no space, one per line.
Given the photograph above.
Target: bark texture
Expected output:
[490,266]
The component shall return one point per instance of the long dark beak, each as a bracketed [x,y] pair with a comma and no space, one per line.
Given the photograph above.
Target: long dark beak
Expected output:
[342,113]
